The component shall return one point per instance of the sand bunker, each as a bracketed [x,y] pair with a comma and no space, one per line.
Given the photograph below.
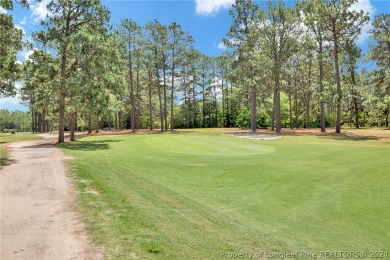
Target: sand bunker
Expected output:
[255,136]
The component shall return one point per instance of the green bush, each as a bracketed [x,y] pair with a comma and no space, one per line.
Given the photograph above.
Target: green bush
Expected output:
[244,118]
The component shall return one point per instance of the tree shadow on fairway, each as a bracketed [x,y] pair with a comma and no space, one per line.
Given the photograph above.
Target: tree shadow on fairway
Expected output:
[351,138]
[90,145]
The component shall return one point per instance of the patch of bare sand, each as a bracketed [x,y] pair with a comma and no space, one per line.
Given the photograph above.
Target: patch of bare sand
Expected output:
[254,136]
[39,219]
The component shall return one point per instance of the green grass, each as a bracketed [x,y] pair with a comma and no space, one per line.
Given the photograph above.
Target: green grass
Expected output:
[194,196]
[7,138]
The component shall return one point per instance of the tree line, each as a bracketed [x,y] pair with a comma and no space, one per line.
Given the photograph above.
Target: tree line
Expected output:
[285,67]
[17,120]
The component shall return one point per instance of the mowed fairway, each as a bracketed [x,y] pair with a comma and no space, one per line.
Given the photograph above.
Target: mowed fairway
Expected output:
[197,196]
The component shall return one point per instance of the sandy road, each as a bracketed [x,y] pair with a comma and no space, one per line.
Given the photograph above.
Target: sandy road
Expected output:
[38,218]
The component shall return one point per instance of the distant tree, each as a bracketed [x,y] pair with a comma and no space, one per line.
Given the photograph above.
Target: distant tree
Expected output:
[19,120]
[39,75]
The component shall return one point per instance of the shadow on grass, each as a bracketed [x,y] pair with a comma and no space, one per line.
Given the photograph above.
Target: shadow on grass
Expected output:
[6,162]
[89,145]
[351,138]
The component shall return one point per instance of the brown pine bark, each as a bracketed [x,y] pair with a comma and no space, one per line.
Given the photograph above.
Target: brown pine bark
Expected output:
[253,110]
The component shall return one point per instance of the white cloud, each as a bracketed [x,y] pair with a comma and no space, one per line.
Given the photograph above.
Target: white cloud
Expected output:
[367,7]
[23,21]
[28,53]
[39,10]
[10,101]
[14,103]
[221,46]
[211,7]
[25,54]
[2,10]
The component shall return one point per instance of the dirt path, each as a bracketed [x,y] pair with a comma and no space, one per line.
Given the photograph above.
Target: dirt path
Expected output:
[38,218]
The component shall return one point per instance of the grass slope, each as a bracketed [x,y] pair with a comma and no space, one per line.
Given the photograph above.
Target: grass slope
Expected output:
[194,196]
[7,138]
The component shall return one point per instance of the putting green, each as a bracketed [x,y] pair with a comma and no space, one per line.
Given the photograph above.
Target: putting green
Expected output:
[207,145]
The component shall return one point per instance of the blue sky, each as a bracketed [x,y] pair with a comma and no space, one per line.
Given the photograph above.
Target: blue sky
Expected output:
[208,21]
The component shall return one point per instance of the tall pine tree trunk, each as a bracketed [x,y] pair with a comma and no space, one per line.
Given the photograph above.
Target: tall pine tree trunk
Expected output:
[39,122]
[150,102]
[172,87]
[116,121]
[203,97]
[138,122]
[338,82]
[120,115]
[354,99]
[308,110]
[322,105]
[160,101]
[165,100]
[73,125]
[33,120]
[194,104]
[277,106]
[90,123]
[273,112]
[296,108]
[308,98]
[131,90]
[61,120]
[223,106]
[290,105]
[76,124]
[253,110]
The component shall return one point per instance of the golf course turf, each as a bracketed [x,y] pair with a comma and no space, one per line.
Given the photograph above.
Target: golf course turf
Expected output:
[200,196]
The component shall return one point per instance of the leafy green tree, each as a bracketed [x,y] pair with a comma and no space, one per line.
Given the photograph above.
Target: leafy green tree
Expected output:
[342,24]
[380,53]
[274,33]
[243,14]
[350,60]
[179,42]
[156,42]
[251,73]
[68,20]
[10,44]
[40,73]
[130,33]
[204,69]
[380,41]
[311,11]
